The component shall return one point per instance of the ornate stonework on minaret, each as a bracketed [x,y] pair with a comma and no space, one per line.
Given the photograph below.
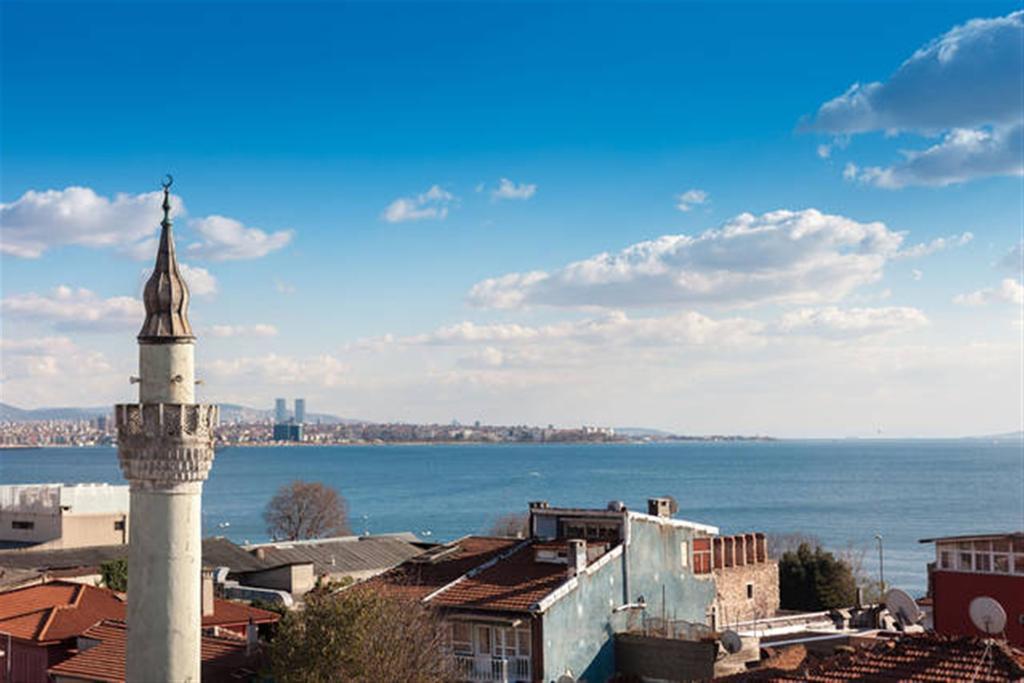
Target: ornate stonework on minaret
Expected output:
[165,447]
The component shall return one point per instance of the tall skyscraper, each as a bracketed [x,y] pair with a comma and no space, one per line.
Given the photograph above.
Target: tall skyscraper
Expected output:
[300,410]
[280,411]
[165,448]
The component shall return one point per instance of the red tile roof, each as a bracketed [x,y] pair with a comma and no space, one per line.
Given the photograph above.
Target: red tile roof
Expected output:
[60,610]
[480,573]
[419,577]
[908,658]
[222,658]
[512,584]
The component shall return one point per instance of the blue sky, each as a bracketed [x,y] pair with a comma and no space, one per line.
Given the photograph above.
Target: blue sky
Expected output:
[293,129]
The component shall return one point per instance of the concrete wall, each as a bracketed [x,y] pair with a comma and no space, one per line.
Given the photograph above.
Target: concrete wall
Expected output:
[665,659]
[579,628]
[732,603]
[298,579]
[55,531]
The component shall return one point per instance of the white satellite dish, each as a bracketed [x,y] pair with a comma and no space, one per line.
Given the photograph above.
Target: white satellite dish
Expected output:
[903,607]
[987,615]
[731,641]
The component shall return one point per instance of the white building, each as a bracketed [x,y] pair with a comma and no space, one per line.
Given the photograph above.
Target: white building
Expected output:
[53,516]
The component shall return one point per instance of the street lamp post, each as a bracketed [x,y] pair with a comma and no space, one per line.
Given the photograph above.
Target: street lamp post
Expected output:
[881,568]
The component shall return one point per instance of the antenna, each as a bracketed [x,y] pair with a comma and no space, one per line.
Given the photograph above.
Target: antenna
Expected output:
[987,615]
[731,641]
[903,607]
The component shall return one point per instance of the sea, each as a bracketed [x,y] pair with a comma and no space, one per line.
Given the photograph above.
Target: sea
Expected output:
[843,492]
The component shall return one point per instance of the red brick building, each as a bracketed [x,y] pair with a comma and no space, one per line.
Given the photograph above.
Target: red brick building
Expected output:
[969,567]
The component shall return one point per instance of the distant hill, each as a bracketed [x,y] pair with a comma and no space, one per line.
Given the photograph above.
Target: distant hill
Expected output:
[229,412]
[9,413]
[1007,436]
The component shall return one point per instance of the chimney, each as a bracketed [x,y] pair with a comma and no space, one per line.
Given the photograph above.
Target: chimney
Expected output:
[251,637]
[207,592]
[577,556]
[659,507]
[538,504]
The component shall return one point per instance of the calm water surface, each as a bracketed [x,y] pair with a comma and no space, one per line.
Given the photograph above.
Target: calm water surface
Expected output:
[841,491]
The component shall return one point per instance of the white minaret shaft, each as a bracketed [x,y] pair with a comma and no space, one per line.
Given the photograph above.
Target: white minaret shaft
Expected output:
[165,445]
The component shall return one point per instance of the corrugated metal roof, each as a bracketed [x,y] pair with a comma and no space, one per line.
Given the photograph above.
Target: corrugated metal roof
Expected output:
[343,555]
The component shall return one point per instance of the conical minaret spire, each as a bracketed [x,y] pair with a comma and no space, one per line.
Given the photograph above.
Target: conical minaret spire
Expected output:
[165,449]
[166,294]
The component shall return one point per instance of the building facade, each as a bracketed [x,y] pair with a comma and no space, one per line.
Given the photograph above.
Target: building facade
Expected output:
[971,567]
[57,516]
[547,606]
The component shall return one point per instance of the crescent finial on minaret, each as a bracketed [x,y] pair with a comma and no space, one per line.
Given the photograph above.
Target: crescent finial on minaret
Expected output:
[166,294]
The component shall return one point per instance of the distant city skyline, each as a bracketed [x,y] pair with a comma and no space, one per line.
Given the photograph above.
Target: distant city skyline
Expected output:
[796,220]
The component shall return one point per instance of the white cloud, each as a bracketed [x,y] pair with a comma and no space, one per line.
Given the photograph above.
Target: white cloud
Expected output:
[257,330]
[1009,291]
[966,86]
[615,328]
[797,257]
[284,287]
[275,370]
[967,78]
[692,197]
[1013,261]
[962,154]
[225,239]
[199,280]
[936,245]
[509,190]
[831,321]
[916,274]
[38,221]
[432,204]
[824,151]
[76,309]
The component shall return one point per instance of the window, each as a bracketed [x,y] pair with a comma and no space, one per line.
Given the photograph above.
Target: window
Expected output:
[946,559]
[966,562]
[1001,563]
[1018,563]
[750,591]
[684,554]
[462,638]
[23,525]
[483,640]
[505,642]
[523,642]
[982,562]
[119,525]
[702,556]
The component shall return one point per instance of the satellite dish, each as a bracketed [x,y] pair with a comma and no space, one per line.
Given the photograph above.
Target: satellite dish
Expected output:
[903,607]
[731,641]
[987,615]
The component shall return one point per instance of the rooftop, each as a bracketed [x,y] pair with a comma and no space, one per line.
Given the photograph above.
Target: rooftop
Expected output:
[223,659]
[60,610]
[483,573]
[343,554]
[907,658]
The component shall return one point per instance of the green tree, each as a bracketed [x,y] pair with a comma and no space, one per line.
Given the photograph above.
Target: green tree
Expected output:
[813,580]
[360,636]
[114,574]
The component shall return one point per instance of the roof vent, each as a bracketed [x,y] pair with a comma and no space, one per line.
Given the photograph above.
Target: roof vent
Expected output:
[616,506]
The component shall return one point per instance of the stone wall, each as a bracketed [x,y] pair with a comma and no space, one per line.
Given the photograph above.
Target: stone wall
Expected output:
[746,592]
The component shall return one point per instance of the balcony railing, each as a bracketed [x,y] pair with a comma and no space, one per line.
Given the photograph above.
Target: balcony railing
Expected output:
[497,669]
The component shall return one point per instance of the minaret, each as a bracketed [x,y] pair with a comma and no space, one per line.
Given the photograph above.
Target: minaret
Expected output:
[165,447]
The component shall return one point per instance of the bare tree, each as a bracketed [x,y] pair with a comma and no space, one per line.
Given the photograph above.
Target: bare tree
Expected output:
[361,636]
[512,524]
[303,509]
